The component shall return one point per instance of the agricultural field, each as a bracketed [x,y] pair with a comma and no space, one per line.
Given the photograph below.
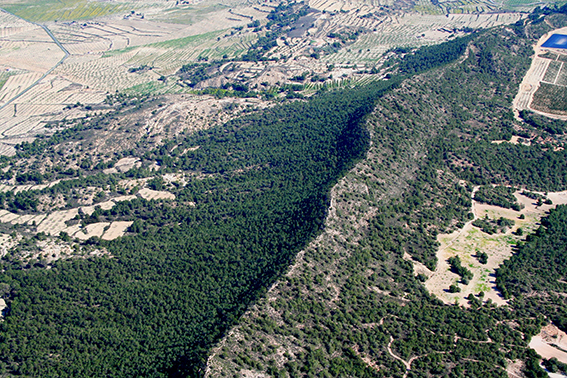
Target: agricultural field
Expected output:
[551,100]
[55,222]
[544,88]
[421,6]
[407,30]
[552,72]
[56,227]
[44,11]
[561,79]
[556,73]
[41,82]
[139,47]
[470,242]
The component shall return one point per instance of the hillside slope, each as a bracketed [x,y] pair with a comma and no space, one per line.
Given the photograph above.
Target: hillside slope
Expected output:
[351,305]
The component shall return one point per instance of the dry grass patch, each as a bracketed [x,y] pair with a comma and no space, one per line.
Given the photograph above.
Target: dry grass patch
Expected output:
[54,223]
[514,140]
[116,230]
[125,164]
[149,194]
[90,230]
[468,242]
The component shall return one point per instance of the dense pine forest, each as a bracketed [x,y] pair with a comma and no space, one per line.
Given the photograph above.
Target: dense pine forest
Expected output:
[169,292]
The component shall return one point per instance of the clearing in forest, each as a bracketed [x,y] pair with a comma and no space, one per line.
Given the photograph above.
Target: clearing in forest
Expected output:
[482,253]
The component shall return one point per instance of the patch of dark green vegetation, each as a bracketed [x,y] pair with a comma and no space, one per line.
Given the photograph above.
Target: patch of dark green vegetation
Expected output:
[490,226]
[194,73]
[433,56]
[499,196]
[457,268]
[541,199]
[550,125]
[554,366]
[140,69]
[482,257]
[16,202]
[155,308]
[508,164]
[536,266]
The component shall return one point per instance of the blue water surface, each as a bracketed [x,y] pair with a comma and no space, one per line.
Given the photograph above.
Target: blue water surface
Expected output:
[556,41]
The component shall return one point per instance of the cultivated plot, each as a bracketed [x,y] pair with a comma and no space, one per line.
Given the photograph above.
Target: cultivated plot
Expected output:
[55,222]
[62,10]
[544,87]
[103,55]
[408,30]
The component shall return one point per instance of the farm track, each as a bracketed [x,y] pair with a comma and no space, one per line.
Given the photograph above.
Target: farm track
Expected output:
[67,54]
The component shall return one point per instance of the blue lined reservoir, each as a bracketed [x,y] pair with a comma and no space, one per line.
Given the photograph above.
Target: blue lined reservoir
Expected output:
[556,41]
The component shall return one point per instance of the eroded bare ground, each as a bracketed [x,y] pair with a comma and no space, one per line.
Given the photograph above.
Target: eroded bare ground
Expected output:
[550,342]
[137,128]
[515,369]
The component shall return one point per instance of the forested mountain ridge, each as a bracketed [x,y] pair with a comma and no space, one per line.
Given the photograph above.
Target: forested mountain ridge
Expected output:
[153,308]
[256,192]
[351,305]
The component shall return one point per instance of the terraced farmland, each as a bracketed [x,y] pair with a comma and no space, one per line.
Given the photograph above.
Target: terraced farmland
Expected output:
[54,222]
[544,88]
[26,53]
[552,72]
[410,31]
[101,54]
[335,6]
[42,11]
